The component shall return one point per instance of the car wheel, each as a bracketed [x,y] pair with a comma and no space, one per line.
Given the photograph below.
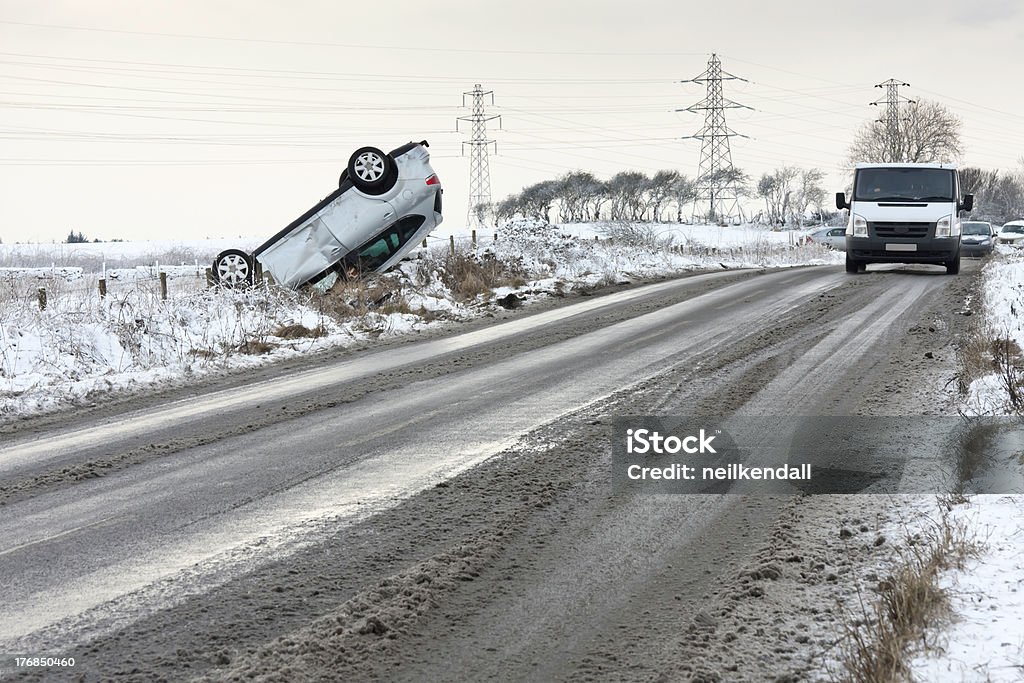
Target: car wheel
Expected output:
[233,268]
[953,267]
[853,266]
[371,170]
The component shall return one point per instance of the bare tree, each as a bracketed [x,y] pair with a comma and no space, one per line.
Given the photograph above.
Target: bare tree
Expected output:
[509,208]
[998,195]
[576,191]
[929,133]
[536,199]
[776,188]
[809,193]
[659,192]
[684,191]
[626,190]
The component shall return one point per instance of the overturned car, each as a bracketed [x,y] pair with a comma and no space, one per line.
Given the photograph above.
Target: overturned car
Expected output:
[384,206]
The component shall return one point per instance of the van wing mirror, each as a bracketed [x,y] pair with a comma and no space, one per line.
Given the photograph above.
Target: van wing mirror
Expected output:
[968,203]
[841,201]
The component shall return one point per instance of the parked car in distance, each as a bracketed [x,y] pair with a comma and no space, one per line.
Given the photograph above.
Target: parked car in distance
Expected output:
[976,238]
[1011,233]
[834,238]
[384,206]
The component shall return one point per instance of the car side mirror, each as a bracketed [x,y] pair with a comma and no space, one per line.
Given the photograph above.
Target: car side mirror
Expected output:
[968,203]
[841,201]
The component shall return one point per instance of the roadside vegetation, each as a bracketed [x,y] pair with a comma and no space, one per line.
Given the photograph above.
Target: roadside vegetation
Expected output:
[990,379]
[892,625]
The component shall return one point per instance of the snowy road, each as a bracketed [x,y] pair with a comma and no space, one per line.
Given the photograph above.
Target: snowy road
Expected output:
[179,538]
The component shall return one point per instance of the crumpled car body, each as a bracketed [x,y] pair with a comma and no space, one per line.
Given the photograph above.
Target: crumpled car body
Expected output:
[359,229]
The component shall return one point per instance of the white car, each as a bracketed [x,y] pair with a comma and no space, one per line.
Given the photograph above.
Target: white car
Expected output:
[830,237]
[1011,233]
[384,206]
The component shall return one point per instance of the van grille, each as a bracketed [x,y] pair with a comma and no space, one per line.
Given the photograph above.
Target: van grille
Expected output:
[893,229]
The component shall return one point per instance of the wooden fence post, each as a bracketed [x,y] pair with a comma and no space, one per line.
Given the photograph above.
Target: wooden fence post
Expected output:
[474,238]
[163,285]
[42,298]
[103,287]
[424,242]
[451,244]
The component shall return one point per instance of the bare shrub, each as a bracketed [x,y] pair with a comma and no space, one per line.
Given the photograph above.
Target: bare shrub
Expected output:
[877,642]
[469,274]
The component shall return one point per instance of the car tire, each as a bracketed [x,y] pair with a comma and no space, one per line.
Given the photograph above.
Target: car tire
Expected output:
[953,267]
[853,266]
[371,170]
[233,268]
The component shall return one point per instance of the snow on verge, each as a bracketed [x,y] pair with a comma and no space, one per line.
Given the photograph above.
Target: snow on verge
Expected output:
[985,642]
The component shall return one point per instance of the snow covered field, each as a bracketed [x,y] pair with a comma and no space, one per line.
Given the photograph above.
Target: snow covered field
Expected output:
[83,345]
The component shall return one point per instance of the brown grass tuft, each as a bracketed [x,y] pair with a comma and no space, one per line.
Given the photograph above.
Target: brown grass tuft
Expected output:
[876,646]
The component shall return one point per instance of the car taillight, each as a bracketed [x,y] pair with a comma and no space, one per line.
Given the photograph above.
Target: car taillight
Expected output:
[432,180]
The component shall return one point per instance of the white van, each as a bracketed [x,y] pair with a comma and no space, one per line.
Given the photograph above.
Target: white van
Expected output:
[904,213]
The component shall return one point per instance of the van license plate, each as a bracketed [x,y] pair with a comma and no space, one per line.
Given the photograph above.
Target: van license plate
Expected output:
[901,247]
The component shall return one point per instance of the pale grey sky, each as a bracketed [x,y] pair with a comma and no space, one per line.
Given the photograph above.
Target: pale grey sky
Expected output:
[145,120]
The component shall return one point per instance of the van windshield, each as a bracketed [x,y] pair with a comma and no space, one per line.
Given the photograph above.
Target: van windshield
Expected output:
[904,184]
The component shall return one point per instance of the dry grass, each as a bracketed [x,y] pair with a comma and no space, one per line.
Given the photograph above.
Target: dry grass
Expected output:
[300,331]
[876,646]
[985,352]
[469,275]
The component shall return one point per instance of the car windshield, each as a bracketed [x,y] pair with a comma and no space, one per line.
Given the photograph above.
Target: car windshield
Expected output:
[904,184]
[1016,229]
[976,229]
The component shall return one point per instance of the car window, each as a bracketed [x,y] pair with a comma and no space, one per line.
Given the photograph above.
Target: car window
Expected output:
[976,229]
[375,252]
[1017,229]
[837,232]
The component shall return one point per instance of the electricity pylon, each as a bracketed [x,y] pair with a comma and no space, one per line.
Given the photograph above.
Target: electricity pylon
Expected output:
[716,183]
[479,167]
[891,118]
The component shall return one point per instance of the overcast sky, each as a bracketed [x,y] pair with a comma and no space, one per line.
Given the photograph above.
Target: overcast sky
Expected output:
[222,118]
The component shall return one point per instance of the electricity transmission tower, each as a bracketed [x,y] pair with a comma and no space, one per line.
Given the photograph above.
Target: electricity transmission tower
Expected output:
[479,168]
[891,118]
[717,181]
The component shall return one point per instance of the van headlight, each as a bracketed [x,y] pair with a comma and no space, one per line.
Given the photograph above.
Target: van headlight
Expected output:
[944,227]
[857,227]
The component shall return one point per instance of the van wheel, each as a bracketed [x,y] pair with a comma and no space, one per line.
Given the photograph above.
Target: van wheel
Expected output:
[953,267]
[854,266]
